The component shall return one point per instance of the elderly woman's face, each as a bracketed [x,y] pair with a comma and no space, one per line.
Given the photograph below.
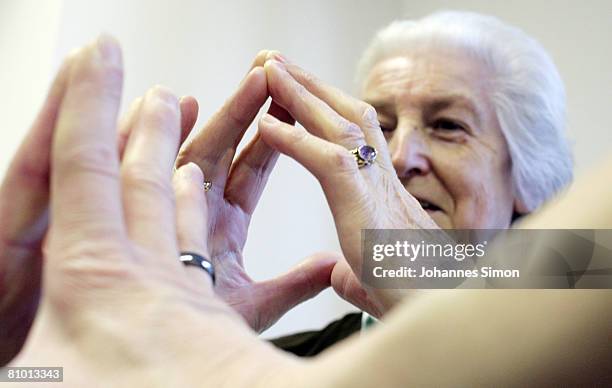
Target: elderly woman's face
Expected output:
[443,135]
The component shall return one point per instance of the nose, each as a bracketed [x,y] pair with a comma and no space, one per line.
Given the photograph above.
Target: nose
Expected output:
[409,151]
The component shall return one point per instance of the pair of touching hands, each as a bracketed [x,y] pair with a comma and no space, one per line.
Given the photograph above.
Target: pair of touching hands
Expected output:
[97,203]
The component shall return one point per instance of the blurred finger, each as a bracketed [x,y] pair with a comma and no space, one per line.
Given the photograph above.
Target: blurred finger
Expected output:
[310,111]
[192,217]
[189,115]
[146,173]
[24,193]
[24,203]
[84,178]
[125,125]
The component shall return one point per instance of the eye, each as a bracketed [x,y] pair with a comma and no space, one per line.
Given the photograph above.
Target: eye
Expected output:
[447,125]
[386,128]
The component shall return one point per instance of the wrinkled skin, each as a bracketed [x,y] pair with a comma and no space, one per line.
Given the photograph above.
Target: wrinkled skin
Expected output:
[236,188]
[113,286]
[443,161]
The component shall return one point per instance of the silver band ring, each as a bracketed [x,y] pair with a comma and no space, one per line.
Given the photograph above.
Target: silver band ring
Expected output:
[191,258]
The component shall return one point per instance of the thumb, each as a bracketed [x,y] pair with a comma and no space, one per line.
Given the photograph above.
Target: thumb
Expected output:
[302,282]
[348,287]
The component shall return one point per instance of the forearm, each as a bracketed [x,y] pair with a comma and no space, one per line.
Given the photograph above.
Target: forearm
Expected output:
[481,338]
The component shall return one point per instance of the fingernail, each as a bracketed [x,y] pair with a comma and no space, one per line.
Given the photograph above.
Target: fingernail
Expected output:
[109,50]
[279,57]
[276,63]
[269,119]
[164,94]
[192,172]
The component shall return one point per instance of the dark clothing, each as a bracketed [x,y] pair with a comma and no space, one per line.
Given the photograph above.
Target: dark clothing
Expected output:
[311,343]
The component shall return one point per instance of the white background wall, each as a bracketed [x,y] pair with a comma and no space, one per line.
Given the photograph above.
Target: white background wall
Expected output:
[203,48]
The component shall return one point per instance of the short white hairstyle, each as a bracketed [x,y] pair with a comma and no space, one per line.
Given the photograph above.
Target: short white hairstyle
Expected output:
[527,91]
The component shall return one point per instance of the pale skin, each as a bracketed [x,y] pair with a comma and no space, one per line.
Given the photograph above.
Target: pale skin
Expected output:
[238,182]
[445,147]
[114,289]
[234,198]
[443,135]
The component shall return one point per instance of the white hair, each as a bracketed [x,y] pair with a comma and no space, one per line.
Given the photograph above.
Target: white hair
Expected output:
[527,92]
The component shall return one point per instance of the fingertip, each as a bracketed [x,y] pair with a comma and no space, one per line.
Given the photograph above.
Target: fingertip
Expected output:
[189,115]
[252,92]
[257,74]
[324,259]
[189,104]
[267,125]
[191,173]
[163,93]
[268,119]
[188,182]
[276,55]
[109,49]
[160,109]
[260,58]
[272,65]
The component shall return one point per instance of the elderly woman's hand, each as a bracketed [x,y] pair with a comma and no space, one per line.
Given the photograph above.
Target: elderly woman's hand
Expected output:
[118,307]
[235,190]
[371,197]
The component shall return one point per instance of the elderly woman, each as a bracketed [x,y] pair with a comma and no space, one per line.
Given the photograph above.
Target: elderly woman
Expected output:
[469,134]
[474,129]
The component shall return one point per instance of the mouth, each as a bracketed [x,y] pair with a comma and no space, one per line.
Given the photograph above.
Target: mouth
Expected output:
[428,206]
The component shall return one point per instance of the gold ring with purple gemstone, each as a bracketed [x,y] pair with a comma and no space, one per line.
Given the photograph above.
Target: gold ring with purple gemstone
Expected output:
[364,155]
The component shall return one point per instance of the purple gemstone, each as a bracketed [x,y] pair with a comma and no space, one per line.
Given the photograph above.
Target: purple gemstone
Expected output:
[367,153]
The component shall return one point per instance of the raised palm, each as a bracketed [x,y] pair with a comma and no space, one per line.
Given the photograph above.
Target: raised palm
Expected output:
[237,184]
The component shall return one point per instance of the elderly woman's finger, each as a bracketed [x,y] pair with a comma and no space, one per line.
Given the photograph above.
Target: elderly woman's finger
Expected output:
[250,171]
[192,217]
[189,115]
[84,178]
[312,112]
[333,165]
[263,56]
[214,147]
[126,122]
[351,108]
[146,173]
